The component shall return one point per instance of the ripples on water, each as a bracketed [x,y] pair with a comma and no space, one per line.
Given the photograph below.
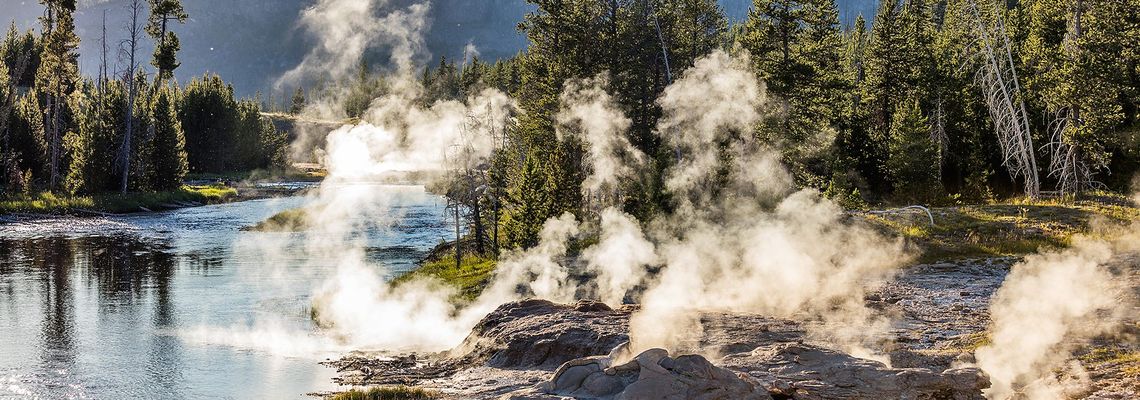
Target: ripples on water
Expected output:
[99,307]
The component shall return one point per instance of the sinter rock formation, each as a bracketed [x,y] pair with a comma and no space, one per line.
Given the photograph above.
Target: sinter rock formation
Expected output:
[511,353]
[653,374]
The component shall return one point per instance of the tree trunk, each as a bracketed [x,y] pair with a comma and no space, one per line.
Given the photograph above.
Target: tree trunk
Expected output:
[477,219]
[132,42]
[458,254]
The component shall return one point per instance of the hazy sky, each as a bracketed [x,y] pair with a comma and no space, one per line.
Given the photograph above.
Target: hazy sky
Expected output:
[252,42]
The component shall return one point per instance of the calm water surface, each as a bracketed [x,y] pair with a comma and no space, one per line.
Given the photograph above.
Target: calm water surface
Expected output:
[100,308]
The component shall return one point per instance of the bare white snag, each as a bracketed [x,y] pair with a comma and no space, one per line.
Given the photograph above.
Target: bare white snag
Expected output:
[1067,162]
[1002,92]
[128,49]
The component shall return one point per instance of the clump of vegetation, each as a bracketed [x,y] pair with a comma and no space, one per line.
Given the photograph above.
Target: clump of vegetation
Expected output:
[292,220]
[386,393]
[468,278]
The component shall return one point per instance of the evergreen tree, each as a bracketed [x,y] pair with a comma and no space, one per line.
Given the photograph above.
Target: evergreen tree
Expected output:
[562,46]
[959,118]
[883,88]
[797,48]
[21,51]
[362,91]
[913,162]
[297,104]
[1074,49]
[247,138]
[529,204]
[57,78]
[26,141]
[162,12]
[168,160]
[697,28]
[93,145]
[898,63]
[208,114]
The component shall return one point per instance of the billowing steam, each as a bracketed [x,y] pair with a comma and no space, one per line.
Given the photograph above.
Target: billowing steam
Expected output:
[347,29]
[1048,304]
[742,238]
[593,115]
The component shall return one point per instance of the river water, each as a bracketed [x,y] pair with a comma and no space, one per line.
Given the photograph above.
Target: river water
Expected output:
[115,307]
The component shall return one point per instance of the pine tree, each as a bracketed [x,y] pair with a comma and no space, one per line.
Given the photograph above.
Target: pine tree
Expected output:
[772,31]
[898,63]
[563,45]
[851,142]
[92,146]
[959,117]
[529,206]
[162,12]
[1075,47]
[21,51]
[208,114]
[57,78]
[913,162]
[168,160]
[797,48]
[26,140]
[297,104]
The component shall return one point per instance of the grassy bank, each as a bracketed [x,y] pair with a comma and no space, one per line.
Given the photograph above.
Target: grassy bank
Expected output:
[469,278]
[49,203]
[1010,228]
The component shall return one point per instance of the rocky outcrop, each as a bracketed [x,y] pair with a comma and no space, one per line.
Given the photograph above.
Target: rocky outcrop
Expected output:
[513,350]
[542,334]
[805,372]
[653,374]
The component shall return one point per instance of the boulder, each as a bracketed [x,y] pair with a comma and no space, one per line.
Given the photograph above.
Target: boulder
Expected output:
[542,334]
[653,374]
[805,372]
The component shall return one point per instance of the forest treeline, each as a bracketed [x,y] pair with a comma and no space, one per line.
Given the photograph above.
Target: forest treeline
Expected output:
[928,103]
[124,129]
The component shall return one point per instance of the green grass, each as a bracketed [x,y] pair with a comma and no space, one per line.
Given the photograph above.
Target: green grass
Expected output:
[1013,228]
[50,203]
[386,393]
[468,279]
[292,220]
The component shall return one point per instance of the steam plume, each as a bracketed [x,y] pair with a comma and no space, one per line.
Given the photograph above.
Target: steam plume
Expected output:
[1048,303]
[347,29]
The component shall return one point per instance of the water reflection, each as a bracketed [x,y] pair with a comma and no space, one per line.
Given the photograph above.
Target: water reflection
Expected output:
[98,307]
[126,276]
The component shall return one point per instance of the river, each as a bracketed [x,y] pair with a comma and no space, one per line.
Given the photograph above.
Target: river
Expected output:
[107,308]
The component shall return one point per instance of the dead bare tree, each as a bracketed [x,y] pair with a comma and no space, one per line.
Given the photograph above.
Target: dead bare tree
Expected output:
[1067,161]
[997,78]
[103,61]
[128,48]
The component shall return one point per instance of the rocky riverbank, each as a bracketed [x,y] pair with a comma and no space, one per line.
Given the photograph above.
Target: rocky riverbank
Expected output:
[535,349]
